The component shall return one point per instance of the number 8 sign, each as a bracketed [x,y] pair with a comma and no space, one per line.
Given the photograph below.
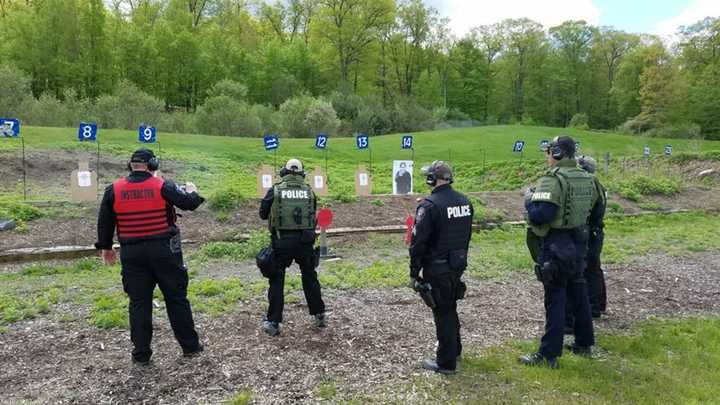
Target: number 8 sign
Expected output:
[147,134]
[87,132]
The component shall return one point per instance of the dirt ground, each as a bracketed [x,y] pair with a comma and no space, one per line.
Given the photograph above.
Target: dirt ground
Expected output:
[375,338]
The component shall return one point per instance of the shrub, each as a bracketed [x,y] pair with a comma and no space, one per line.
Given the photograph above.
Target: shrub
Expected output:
[304,116]
[226,87]
[528,120]
[18,211]
[127,108]
[373,119]
[222,115]
[177,122]
[580,121]
[47,111]
[346,104]
[226,198]
[269,119]
[633,188]
[409,116]
[676,131]
[16,88]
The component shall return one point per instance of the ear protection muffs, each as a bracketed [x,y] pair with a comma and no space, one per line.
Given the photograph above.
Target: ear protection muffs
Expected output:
[153,164]
[556,152]
[431,179]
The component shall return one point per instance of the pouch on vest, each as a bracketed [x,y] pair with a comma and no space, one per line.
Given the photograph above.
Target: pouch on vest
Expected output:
[176,243]
[457,260]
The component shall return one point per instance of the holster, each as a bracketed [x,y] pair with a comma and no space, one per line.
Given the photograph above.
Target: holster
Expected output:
[425,291]
[265,261]
[461,290]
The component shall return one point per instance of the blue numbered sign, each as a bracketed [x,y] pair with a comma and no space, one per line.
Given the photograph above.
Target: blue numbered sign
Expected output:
[271,142]
[544,144]
[87,132]
[407,142]
[646,151]
[9,128]
[362,141]
[321,141]
[147,134]
[519,146]
[668,150]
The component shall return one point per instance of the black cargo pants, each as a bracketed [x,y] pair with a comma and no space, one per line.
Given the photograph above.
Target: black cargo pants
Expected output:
[145,265]
[295,246]
[444,283]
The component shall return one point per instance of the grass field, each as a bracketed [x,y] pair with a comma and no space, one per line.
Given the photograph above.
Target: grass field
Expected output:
[219,163]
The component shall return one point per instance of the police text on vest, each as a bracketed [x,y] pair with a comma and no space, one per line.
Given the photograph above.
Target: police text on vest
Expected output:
[295,194]
[458,212]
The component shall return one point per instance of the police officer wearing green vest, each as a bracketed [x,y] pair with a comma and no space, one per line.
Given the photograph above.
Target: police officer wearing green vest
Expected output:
[290,208]
[594,272]
[558,210]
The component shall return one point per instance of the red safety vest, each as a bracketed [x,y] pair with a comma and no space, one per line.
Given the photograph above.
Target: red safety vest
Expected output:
[140,209]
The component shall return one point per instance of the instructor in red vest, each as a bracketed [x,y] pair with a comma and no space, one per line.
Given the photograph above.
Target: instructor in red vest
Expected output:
[141,208]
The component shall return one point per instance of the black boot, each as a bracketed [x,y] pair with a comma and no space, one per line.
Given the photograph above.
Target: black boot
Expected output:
[537,359]
[584,351]
[433,366]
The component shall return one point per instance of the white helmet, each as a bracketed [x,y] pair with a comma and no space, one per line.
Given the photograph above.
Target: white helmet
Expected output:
[294,165]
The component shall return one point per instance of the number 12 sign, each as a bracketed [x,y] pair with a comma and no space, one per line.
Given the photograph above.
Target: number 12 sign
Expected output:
[321,141]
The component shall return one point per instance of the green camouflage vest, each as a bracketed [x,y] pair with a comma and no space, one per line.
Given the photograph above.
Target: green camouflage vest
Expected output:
[293,205]
[572,190]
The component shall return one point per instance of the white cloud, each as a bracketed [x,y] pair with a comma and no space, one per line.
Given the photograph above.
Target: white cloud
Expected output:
[696,11]
[466,14]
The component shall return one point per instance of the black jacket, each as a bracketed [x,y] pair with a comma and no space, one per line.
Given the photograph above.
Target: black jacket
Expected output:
[443,223]
[172,193]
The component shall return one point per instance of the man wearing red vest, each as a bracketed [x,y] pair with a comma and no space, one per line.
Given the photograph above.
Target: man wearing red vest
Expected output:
[142,209]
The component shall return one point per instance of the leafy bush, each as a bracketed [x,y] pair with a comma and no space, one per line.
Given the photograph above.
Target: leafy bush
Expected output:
[16,88]
[226,87]
[304,116]
[346,104]
[110,311]
[127,108]
[634,187]
[676,131]
[223,115]
[47,111]
[580,121]
[226,198]
[409,116]
[236,251]
[373,119]
[177,122]
[684,157]
[18,211]
[269,119]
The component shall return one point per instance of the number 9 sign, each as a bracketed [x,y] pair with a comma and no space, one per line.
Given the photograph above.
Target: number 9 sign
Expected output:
[87,132]
[147,134]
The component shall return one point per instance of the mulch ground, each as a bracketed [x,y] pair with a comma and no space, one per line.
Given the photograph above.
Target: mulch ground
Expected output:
[375,338]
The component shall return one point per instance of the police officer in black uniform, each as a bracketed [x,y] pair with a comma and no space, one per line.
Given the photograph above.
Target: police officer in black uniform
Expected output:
[290,209]
[558,210]
[438,249]
[593,272]
[142,209]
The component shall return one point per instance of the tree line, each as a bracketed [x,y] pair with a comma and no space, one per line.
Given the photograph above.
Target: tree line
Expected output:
[347,65]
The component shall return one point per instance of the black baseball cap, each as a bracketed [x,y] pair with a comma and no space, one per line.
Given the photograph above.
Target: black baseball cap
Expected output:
[566,145]
[142,156]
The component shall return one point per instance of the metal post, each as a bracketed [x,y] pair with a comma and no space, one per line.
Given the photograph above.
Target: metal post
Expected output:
[370,151]
[323,243]
[327,173]
[97,185]
[22,140]
[607,163]
[275,159]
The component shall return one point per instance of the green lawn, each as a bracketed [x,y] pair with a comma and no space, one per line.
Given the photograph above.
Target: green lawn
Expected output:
[661,362]
[214,162]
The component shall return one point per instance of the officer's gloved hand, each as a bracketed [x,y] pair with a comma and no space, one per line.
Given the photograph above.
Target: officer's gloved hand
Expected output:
[190,188]
[528,195]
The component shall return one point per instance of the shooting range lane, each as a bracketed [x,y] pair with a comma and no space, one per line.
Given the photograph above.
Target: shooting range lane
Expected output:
[96,365]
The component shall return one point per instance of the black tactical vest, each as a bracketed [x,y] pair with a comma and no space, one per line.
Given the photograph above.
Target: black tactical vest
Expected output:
[453,217]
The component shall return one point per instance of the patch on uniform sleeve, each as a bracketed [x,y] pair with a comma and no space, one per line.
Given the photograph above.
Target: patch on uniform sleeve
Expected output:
[420,214]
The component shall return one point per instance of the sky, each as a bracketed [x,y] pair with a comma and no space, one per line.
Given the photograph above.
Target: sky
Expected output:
[660,17]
